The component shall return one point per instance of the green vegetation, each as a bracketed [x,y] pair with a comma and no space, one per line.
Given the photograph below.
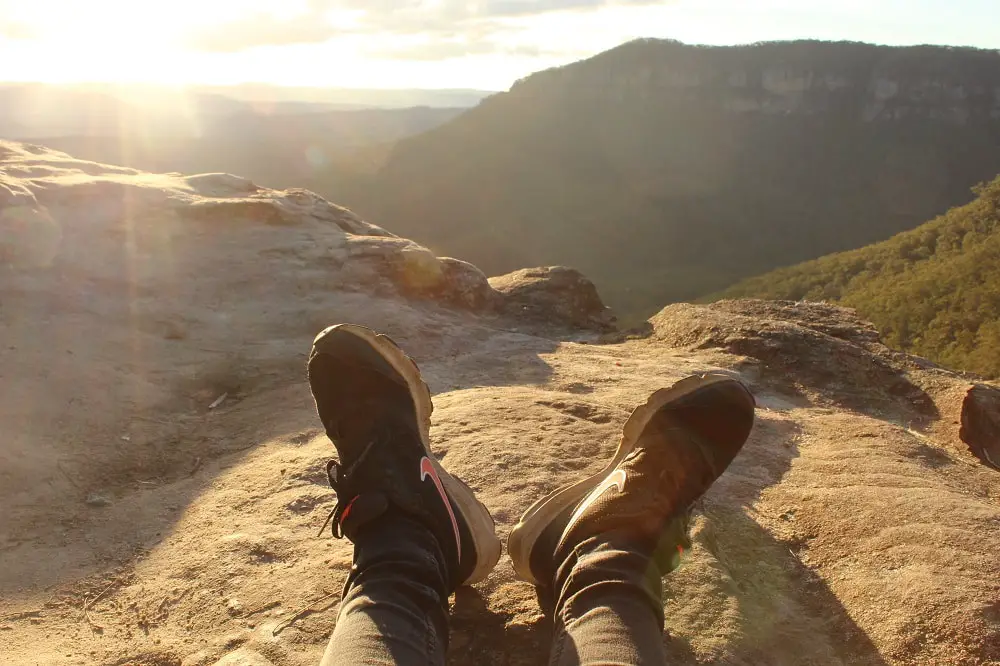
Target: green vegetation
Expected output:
[933,291]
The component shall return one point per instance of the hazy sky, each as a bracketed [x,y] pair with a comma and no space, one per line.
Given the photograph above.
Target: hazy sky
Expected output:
[484,44]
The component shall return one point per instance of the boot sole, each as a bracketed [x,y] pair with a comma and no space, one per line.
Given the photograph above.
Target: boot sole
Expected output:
[534,521]
[476,515]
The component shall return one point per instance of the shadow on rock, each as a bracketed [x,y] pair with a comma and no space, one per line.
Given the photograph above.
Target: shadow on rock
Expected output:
[748,588]
[778,610]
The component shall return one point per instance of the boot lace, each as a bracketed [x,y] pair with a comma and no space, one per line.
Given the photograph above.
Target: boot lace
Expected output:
[340,480]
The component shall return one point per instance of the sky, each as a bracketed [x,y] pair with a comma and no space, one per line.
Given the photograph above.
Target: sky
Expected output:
[480,44]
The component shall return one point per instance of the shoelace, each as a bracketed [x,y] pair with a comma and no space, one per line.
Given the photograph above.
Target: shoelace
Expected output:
[338,477]
[333,473]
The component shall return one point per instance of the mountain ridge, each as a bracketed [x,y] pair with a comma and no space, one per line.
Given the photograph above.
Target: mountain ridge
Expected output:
[954,84]
[662,189]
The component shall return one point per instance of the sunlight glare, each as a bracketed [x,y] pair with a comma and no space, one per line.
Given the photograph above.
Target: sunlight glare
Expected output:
[122,40]
[103,25]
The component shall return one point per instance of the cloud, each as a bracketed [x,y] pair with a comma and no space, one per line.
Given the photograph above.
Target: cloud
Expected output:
[450,28]
[261,30]
[445,50]
[496,8]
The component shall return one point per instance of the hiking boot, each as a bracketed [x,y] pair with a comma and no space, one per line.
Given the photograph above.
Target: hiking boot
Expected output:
[672,450]
[377,411]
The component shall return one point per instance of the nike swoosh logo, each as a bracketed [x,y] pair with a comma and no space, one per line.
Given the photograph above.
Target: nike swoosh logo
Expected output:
[614,480]
[427,470]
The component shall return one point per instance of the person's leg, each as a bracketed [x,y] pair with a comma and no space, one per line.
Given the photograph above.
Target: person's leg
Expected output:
[395,607]
[418,532]
[597,549]
[606,599]
[610,604]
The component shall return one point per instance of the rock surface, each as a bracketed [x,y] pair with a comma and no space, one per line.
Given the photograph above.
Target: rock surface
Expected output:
[52,218]
[981,423]
[856,528]
[554,294]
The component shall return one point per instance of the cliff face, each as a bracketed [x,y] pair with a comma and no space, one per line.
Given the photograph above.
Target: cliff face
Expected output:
[666,172]
[865,82]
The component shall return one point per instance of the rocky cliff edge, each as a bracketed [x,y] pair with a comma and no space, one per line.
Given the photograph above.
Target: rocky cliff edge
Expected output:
[163,474]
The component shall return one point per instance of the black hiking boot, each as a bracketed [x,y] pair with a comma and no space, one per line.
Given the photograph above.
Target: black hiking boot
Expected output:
[672,450]
[376,409]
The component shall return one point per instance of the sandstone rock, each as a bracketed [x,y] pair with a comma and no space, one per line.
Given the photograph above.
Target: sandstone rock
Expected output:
[220,184]
[266,211]
[981,423]
[199,658]
[244,657]
[556,295]
[413,271]
[28,234]
[825,347]
[186,223]
[465,286]
[303,203]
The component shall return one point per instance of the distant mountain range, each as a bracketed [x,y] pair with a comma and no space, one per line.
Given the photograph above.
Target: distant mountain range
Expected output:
[32,110]
[666,172]
[274,150]
[278,137]
[934,291]
[351,98]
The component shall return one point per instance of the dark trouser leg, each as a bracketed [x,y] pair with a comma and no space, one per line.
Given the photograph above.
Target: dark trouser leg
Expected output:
[609,608]
[395,608]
